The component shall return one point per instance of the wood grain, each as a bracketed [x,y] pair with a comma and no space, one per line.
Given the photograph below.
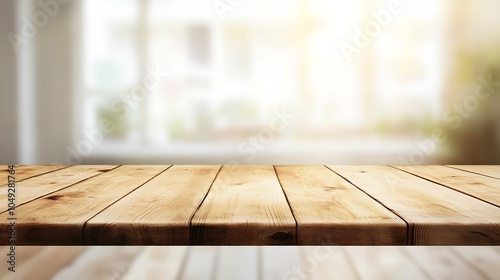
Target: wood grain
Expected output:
[245,206]
[47,183]
[435,214]
[24,172]
[487,170]
[157,213]
[329,210]
[58,218]
[256,205]
[482,187]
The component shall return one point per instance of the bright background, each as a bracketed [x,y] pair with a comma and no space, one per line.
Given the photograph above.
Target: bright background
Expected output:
[228,76]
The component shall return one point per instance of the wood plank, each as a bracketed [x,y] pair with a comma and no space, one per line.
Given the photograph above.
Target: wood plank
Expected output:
[435,214]
[100,263]
[238,262]
[24,172]
[33,188]
[158,263]
[439,263]
[245,206]
[200,263]
[326,262]
[486,170]
[383,263]
[158,213]
[63,213]
[481,187]
[329,210]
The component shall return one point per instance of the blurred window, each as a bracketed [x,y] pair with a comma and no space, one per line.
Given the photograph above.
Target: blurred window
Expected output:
[227,77]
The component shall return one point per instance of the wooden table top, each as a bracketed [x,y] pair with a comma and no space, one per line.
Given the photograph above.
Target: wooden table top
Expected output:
[253,205]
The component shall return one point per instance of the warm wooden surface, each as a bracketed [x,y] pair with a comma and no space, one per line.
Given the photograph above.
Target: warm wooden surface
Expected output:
[255,205]
[244,201]
[481,187]
[487,170]
[54,181]
[59,217]
[154,213]
[329,209]
[435,214]
[29,171]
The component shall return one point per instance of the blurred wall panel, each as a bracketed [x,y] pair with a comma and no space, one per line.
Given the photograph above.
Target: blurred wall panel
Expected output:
[55,54]
[8,87]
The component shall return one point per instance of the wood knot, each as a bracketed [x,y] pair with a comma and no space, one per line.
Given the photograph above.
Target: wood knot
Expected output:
[54,197]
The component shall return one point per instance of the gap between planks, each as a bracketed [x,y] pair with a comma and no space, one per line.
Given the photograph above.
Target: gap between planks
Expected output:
[483,188]
[244,201]
[117,200]
[492,171]
[66,218]
[436,214]
[409,231]
[159,212]
[24,172]
[39,186]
